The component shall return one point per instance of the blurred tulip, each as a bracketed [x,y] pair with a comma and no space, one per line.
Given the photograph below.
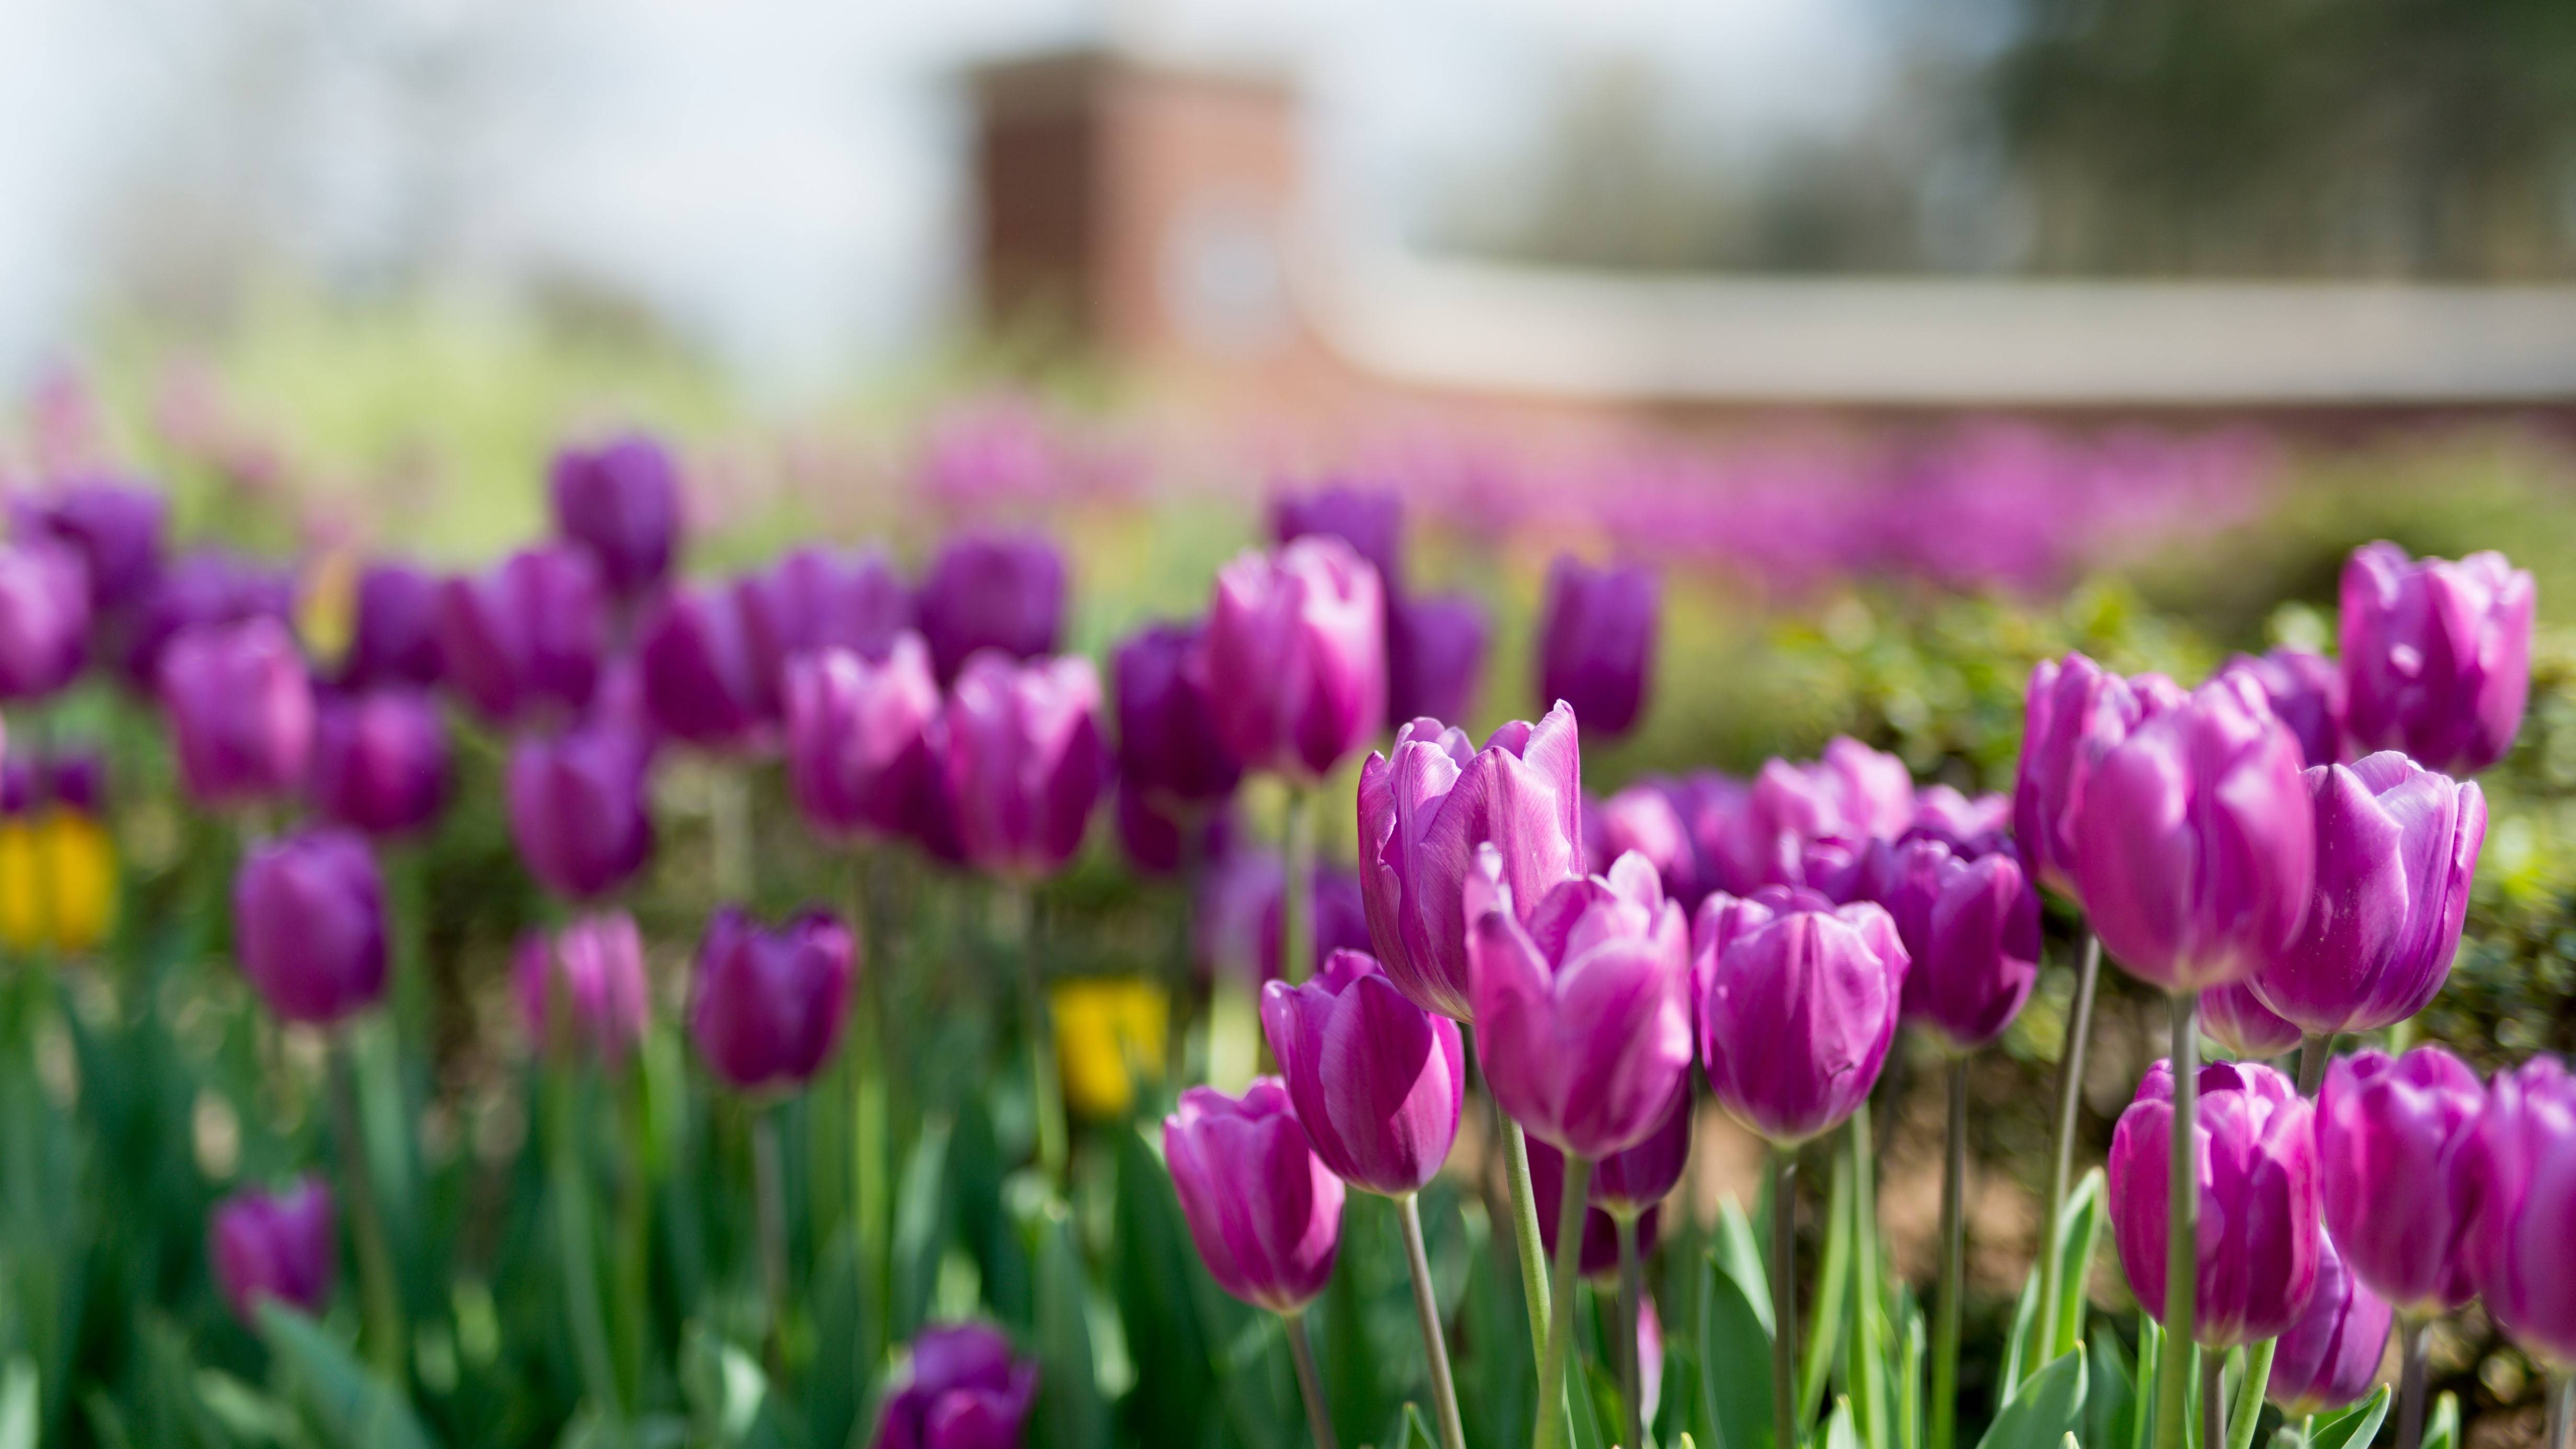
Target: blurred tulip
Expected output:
[206,586]
[1634,1181]
[2305,691]
[577,808]
[2237,1019]
[394,639]
[595,967]
[283,1245]
[991,591]
[1109,1032]
[1160,838]
[309,925]
[1597,1255]
[1971,931]
[1370,520]
[1167,738]
[240,710]
[765,1006]
[116,527]
[620,501]
[2521,1255]
[1238,915]
[2259,1237]
[1970,827]
[58,880]
[1296,657]
[2396,1152]
[858,755]
[1435,654]
[2073,713]
[1377,1080]
[380,760]
[2329,1358]
[1646,819]
[2436,655]
[1596,642]
[527,636]
[814,599]
[1018,760]
[1263,1209]
[1798,1002]
[76,779]
[966,1390]
[44,619]
[701,682]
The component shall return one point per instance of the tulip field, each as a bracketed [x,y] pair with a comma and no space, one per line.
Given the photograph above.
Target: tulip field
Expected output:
[2006,938]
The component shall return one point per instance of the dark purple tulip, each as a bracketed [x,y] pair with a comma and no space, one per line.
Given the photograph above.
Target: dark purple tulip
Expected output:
[1370,520]
[282,1245]
[858,755]
[1167,741]
[2259,1236]
[395,637]
[1428,807]
[76,779]
[2072,715]
[577,808]
[1798,1002]
[815,598]
[115,527]
[1377,1080]
[1238,914]
[2239,1021]
[620,501]
[991,591]
[2436,655]
[1633,1181]
[1598,1254]
[1435,653]
[701,681]
[1296,657]
[1018,760]
[309,925]
[1971,928]
[1596,642]
[2521,1255]
[380,760]
[2396,1146]
[1582,1013]
[595,966]
[1262,1207]
[240,710]
[2396,848]
[527,636]
[1160,839]
[1970,827]
[2306,691]
[2194,851]
[207,586]
[765,1006]
[2329,1358]
[966,1391]
[44,619]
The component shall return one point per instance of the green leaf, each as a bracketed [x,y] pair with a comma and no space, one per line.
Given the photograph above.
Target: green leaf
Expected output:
[1869,1370]
[2079,1230]
[1413,1433]
[2110,1394]
[1833,1278]
[1153,1274]
[1739,1256]
[2049,1406]
[19,1398]
[1070,1413]
[920,1228]
[1840,1430]
[1735,1367]
[2355,1427]
[348,1403]
[725,1388]
[2442,1426]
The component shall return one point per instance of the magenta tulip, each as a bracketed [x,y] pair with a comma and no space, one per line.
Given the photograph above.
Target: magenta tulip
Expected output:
[1264,1210]
[526,638]
[1435,654]
[1168,746]
[1238,914]
[594,969]
[240,708]
[206,586]
[1970,826]
[1634,1181]
[814,599]
[966,1390]
[1971,931]
[2073,714]
[1370,520]
[765,1006]
[2396,1145]
[620,501]
[380,760]
[858,750]
[577,808]
[2521,1255]
[1596,642]
[394,637]
[1798,1002]
[2436,655]
[2238,1020]
[1296,657]
[309,925]
[2329,1358]
[115,527]
[280,1245]
[2306,691]
[1377,1080]
[1002,592]
[701,681]
[1018,761]
[1598,1254]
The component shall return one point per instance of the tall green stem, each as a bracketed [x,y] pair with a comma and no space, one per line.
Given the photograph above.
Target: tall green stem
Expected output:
[381,1296]
[2414,1336]
[2249,1395]
[2314,1050]
[2562,1408]
[2061,1165]
[871,1170]
[570,1190]
[1784,1298]
[1426,1307]
[1945,1342]
[1570,1207]
[1046,1090]
[1310,1385]
[1525,1236]
[2182,1241]
[1631,1295]
[2213,1399]
[1297,886]
[769,1191]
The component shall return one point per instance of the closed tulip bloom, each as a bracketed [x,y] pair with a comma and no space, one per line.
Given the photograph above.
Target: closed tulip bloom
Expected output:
[2194,848]
[394,640]
[594,968]
[1264,1210]
[309,925]
[2072,714]
[1168,746]
[2305,690]
[1645,818]
[1370,520]
[577,808]
[765,1005]
[380,760]
[966,1390]
[1597,1255]
[1377,1080]
[813,599]
[1798,1002]
[1435,653]
[2237,1019]
[2521,1255]
[1634,1181]
[2329,1358]
[526,637]
[1019,762]
[858,755]
[280,1245]
[2396,849]
[44,619]
[1238,915]
[1971,930]
[991,591]
[1160,837]
[2397,1148]
[1426,809]
[1970,826]
[116,528]
[1596,642]
[2259,1236]
[1582,1009]
[240,709]
[2436,655]
[206,586]
[620,501]
[1296,657]
[701,682]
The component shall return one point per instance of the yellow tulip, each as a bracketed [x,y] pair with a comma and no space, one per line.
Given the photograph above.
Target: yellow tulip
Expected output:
[326,611]
[1108,1033]
[57,881]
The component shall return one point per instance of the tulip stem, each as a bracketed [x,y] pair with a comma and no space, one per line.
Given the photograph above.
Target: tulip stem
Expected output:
[2248,1408]
[1046,1090]
[1784,1298]
[1570,1206]
[2213,1398]
[870,1171]
[2415,1341]
[1945,1343]
[1631,1295]
[376,1288]
[2042,1345]
[2562,1403]
[1426,1305]
[580,1257]
[2313,1052]
[1525,1235]
[1310,1386]
[1297,886]
[769,1191]
[2182,1240]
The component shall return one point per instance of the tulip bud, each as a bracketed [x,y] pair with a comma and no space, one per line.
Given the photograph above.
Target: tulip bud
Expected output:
[966,1390]
[1238,915]
[2396,848]
[1296,657]
[595,968]
[528,636]
[282,1245]
[309,925]
[44,619]
[1798,1002]
[2436,655]
[577,808]
[2521,1255]
[1018,761]
[395,637]
[1971,931]
[380,760]
[1435,652]
[2258,1219]
[815,599]
[620,501]
[1598,1254]
[857,752]
[1370,520]
[2305,691]
[2329,1358]
[203,587]
[1167,739]
[1263,1209]
[1428,807]
[240,708]
[1597,642]
[116,529]
[991,592]
[2073,713]
[765,1006]
[2238,1020]
[701,683]
[1377,1080]
[2396,1151]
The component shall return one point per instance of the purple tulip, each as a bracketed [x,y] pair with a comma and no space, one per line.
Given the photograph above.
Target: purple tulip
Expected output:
[2396,1147]
[115,527]
[1971,930]
[2074,712]
[1598,1254]
[2194,851]
[1582,1012]
[1296,657]
[1160,838]
[701,681]
[1798,1002]
[2306,691]
[207,586]
[2258,1221]
[1238,915]
[1634,1181]
[1596,648]
[309,925]
[577,808]
[1168,747]
[240,709]
[527,636]
[1262,1207]
[2436,655]
[595,967]
[1370,520]
[44,619]
[282,1245]
[1377,1080]
[395,636]
[814,599]
[2396,848]
[620,501]
[858,756]
[379,760]
[2329,1358]
[967,1390]
[765,1005]
[1018,761]
[2521,1255]
[997,591]
[1428,807]
[1971,827]
[1435,651]
[76,779]
[2239,1021]
[1646,818]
